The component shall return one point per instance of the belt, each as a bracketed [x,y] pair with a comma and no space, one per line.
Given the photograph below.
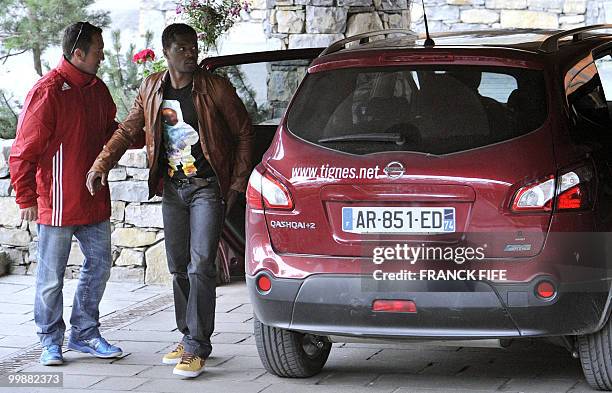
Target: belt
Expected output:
[196,181]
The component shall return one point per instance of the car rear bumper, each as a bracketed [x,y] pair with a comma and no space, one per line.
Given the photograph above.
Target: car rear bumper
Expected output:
[329,304]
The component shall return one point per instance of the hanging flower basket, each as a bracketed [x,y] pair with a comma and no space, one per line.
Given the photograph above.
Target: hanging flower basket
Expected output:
[211,18]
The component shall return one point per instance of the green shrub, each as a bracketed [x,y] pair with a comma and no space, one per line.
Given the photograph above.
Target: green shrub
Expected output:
[121,74]
[9,113]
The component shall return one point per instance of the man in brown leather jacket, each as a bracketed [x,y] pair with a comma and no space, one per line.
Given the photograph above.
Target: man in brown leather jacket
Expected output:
[199,142]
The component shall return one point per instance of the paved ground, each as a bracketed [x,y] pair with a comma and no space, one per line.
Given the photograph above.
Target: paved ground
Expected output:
[140,319]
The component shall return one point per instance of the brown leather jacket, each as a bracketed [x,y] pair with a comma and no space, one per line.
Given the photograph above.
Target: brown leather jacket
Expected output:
[226,132]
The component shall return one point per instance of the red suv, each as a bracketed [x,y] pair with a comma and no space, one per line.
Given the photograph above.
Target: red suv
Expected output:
[456,190]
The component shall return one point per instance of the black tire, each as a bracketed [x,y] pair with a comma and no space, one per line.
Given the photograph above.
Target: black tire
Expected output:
[596,357]
[290,354]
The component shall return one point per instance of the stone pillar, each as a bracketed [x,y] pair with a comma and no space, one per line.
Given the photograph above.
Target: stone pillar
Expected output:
[319,23]
[283,80]
[312,23]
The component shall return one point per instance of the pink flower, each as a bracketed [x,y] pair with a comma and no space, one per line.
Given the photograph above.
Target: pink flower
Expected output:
[143,56]
[179,9]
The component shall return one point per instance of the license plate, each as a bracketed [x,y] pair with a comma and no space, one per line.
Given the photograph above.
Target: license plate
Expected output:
[398,219]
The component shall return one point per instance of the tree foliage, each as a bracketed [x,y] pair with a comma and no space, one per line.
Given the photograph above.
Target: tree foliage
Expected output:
[246,92]
[121,74]
[35,25]
[9,113]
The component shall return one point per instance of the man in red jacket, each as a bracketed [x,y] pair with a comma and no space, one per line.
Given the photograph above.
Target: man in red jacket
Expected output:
[67,118]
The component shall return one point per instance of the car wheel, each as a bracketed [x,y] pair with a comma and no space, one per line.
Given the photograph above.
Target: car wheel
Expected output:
[596,357]
[290,354]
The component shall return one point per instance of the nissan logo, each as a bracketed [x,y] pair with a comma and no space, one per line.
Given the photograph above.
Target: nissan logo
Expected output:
[394,170]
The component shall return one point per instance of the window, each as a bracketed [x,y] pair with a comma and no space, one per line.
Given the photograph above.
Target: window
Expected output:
[429,109]
[497,86]
[585,92]
[267,87]
[604,68]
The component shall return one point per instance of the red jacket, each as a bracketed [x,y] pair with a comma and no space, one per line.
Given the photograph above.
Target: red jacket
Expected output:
[66,119]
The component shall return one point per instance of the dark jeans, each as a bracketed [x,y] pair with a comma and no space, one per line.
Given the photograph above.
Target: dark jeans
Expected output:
[193,220]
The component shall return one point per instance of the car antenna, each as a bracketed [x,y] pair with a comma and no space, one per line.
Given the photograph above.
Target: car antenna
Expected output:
[428,41]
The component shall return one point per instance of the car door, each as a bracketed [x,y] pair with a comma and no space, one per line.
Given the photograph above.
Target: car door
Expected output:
[265,81]
[588,89]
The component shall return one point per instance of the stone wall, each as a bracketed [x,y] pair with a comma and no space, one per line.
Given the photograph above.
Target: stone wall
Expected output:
[449,15]
[319,23]
[306,23]
[137,230]
[311,23]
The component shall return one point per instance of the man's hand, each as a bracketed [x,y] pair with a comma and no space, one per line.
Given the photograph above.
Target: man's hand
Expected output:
[232,196]
[29,213]
[95,181]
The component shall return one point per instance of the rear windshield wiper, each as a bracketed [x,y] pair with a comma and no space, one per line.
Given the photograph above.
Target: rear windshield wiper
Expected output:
[370,137]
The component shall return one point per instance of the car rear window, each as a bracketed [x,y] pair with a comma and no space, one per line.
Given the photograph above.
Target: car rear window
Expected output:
[428,109]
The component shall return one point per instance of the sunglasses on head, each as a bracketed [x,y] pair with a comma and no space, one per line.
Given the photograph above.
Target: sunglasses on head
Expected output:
[77,39]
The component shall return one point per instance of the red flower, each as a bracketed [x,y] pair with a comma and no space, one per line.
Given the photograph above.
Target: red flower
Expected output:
[143,56]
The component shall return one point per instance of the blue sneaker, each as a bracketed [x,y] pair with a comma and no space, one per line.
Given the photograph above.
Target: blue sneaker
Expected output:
[51,355]
[97,346]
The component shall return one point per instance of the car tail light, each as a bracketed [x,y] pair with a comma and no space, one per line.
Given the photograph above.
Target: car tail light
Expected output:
[572,192]
[575,189]
[394,306]
[571,199]
[264,190]
[545,290]
[253,193]
[264,284]
[535,197]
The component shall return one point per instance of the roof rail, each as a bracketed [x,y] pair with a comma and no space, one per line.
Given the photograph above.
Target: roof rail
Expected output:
[364,38]
[488,32]
[551,44]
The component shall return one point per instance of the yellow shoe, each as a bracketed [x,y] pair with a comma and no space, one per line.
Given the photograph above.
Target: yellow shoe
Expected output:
[190,366]
[174,357]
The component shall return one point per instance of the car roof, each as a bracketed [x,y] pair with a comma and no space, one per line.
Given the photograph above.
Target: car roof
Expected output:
[531,40]
[524,43]
[525,39]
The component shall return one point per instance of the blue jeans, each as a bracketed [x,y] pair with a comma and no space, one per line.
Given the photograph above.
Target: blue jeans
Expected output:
[53,250]
[193,220]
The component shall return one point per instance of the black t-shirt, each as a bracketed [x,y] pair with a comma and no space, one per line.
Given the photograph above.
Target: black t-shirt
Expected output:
[181,137]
